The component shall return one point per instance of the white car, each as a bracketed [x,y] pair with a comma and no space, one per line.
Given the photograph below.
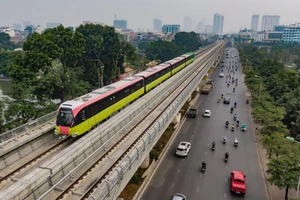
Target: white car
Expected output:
[183,149]
[207,113]
[221,75]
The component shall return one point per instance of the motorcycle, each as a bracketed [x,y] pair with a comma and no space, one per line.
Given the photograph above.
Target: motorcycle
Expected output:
[237,124]
[236,142]
[203,169]
[226,159]
[226,125]
[224,141]
[232,128]
[231,111]
[247,101]
[234,105]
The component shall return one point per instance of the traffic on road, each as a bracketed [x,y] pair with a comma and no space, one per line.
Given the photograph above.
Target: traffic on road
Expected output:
[214,155]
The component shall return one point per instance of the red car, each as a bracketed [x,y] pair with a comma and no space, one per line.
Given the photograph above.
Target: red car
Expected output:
[237,182]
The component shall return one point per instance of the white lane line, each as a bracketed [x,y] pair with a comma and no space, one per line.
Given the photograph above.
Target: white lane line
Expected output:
[226,166]
[200,175]
[205,153]
[225,180]
[183,159]
[224,195]
[173,185]
[197,189]
[178,171]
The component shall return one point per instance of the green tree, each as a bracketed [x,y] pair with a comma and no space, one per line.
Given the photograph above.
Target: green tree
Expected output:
[103,48]
[274,143]
[187,41]
[162,50]
[284,172]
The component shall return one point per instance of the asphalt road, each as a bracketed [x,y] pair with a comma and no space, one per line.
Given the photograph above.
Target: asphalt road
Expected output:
[183,175]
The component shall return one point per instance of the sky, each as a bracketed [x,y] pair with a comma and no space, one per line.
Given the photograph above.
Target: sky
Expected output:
[140,13]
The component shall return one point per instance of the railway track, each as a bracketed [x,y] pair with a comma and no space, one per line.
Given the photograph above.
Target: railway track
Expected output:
[13,175]
[69,187]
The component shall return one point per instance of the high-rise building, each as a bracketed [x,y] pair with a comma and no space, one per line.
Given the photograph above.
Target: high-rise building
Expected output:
[209,29]
[171,28]
[17,27]
[254,22]
[200,28]
[269,21]
[52,24]
[157,25]
[120,23]
[187,24]
[218,24]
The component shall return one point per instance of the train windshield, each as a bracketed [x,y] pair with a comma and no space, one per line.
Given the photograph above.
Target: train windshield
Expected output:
[64,117]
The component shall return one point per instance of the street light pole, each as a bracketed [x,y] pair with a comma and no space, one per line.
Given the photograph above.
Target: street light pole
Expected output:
[260,85]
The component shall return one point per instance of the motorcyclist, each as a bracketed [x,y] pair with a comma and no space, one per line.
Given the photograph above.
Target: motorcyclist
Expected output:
[232,126]
[224,138]
[227,123]
[247,101]
[221,96]
[236,141]
[234,117]
[214,143]
[226,155]
[237,122]
[233,89]
[231,109]
[219,100]
[204,164]
[234,104]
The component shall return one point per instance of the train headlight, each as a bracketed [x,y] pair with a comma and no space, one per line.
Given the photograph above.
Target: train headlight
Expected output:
[74,135]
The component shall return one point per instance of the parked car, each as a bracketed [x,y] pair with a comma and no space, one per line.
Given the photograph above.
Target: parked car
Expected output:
[183,149]
[237,182]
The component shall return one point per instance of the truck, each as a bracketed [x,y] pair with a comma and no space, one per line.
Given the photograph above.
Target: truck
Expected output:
[207,87]
[192,113]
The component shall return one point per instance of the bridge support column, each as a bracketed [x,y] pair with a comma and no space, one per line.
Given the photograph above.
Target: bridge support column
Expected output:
[176,119]
[197,89]
[145,164]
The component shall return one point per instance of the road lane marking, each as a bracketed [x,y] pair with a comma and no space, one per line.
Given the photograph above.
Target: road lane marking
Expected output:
[224,195]
[197,189]
[226,166]
[225,180]
[200,175]
[173,185]
[178,171]
[205,153]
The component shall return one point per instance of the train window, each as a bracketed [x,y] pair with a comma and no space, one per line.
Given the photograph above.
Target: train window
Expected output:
[82,115]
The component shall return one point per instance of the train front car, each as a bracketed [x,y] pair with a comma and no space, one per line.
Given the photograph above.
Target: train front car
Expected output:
[64,121]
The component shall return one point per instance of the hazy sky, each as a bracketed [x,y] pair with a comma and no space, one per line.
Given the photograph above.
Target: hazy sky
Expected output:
[140,13]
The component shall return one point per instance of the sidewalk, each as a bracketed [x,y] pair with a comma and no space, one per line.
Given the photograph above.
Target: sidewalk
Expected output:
[274,192]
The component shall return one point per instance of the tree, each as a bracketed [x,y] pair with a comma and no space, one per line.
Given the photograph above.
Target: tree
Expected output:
[274,143]
[71,47]
[162,50]
[187,41]
[103,48]
[5,42]
[285,171]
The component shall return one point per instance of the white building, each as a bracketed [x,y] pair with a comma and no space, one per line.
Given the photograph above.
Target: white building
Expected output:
[157,25]
[259,36]
[254,22]
[187,24]
[218,24]
[8,31]
[38,29]
[269,21]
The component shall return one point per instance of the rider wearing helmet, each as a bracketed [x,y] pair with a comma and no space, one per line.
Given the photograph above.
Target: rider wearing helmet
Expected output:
[226,155]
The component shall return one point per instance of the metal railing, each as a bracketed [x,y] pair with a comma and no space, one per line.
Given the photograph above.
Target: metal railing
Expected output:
[27,128]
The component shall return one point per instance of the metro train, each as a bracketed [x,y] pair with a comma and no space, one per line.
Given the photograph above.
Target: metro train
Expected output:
[78,116]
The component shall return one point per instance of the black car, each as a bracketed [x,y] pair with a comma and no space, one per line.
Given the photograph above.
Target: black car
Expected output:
[226,101]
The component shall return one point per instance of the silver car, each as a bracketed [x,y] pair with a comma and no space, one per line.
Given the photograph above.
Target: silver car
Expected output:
[178,196]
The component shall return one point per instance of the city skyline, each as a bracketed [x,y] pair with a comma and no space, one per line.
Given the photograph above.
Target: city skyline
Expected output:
[140,14]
